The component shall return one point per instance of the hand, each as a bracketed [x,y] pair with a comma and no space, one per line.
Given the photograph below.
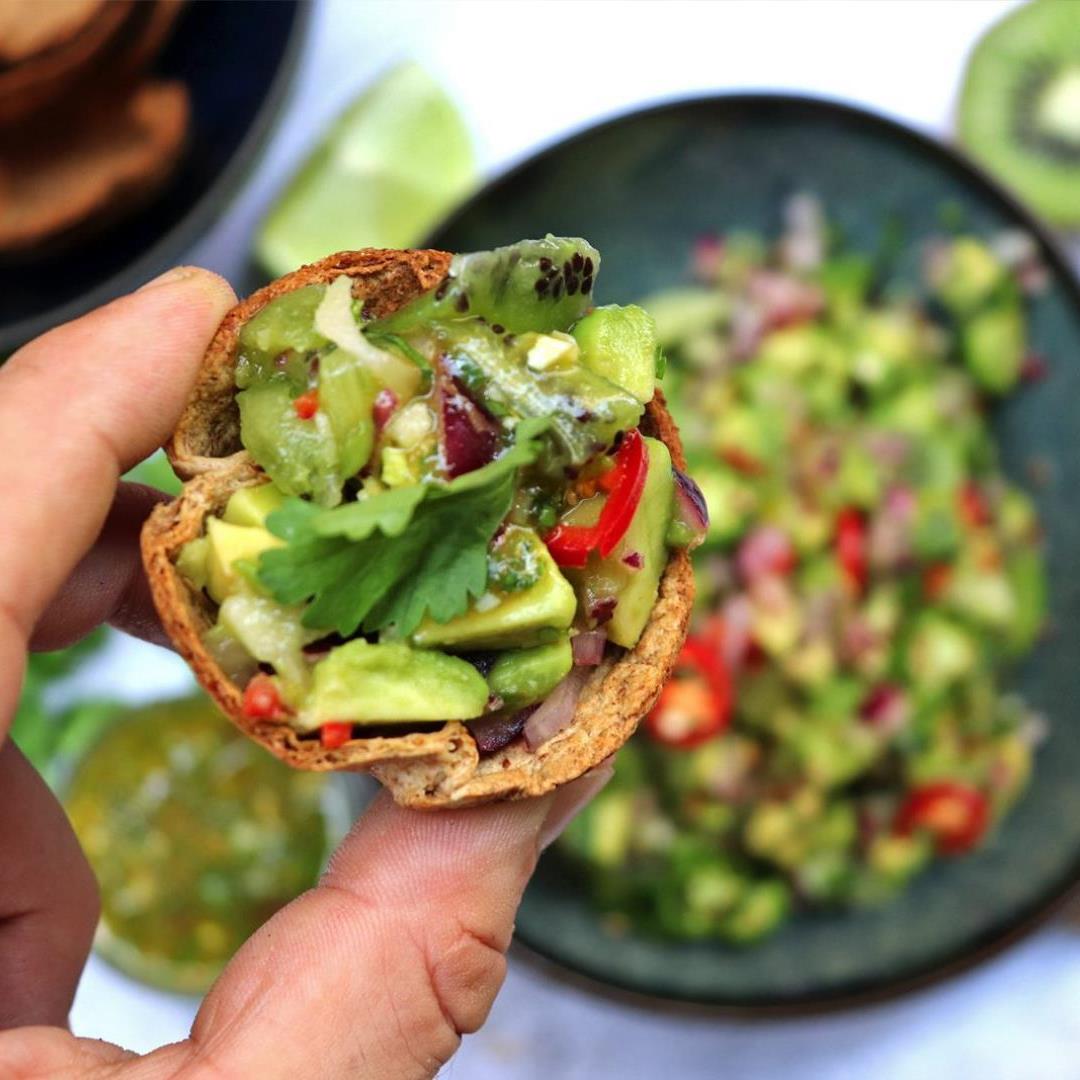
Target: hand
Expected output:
[380,969]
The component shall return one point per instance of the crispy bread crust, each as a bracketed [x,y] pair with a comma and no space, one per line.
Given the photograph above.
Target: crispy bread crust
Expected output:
[425,770]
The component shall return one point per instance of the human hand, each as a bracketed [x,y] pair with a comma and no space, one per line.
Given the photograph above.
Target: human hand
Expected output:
[400,949]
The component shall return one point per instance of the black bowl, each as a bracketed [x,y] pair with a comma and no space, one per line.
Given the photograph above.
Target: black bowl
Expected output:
[642,187]
[237,60]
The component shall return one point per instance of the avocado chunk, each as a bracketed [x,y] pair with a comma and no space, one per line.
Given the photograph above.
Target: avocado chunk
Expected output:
[620,343]
[392,683]
[228,544]
[994,347]
[191,561]
[632,587]
[252,505]
[524,676]
[940,652]
[507,620]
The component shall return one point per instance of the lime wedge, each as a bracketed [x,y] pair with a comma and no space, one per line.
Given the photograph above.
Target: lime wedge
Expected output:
[395,161]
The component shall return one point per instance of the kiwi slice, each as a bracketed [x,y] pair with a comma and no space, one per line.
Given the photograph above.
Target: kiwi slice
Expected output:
[538,285]
[1019,111]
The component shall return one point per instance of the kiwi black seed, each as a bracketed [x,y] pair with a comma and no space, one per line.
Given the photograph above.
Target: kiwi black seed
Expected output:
[1019,109]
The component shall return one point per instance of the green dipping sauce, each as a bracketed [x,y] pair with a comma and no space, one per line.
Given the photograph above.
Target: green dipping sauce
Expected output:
[196,835]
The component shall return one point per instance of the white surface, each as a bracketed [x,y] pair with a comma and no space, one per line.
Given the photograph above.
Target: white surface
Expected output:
[525,74]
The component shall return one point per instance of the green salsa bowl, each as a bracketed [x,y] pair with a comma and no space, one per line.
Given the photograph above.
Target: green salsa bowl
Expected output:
[642,188]
[196,836]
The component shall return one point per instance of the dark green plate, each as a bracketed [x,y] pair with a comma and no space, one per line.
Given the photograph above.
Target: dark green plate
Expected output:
[642,188]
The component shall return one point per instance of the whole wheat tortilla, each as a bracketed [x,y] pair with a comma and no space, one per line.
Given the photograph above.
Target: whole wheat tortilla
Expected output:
[424,770]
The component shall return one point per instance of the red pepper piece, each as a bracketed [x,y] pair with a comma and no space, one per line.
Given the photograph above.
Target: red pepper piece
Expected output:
[972,506]
[307,405]
[334,735]
[262,700]
[851,546]
[632,462]
[695,705]
[570,545]
[956,814]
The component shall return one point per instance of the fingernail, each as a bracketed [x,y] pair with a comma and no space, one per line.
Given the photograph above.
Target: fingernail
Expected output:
[570,799]
[177,273]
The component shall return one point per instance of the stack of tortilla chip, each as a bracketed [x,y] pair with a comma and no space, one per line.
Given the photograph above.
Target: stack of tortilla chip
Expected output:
[85,134]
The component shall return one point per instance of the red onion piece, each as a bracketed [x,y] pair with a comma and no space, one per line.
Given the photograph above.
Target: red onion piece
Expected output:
[470,438]
[885,709]
[557,710]
[386,402]
[690,506]
[784,300]
[588,647]
[494,732]
[766,550]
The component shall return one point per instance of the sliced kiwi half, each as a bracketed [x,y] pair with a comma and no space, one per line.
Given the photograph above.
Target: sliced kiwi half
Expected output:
[1019,111]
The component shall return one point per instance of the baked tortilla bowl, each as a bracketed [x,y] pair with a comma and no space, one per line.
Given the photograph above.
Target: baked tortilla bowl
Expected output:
[427,769]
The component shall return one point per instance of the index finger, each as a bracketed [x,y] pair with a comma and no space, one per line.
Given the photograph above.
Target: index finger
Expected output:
[78,406]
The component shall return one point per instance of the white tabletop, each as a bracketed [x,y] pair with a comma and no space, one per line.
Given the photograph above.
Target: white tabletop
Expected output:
[1017,1016]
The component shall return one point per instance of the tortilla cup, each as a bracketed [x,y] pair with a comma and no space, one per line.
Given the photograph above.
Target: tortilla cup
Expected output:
[431,769]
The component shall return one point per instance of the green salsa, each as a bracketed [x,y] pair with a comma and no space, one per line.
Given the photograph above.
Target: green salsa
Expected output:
[196,835]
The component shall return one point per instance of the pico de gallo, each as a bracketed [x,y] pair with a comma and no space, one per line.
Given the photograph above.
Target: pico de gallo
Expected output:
[837,719]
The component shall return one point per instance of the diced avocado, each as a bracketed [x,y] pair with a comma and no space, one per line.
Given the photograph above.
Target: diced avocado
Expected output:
[391,683]
[994,345]
[966,274]
[234,660]
[632,587]
[939,652]
[252,505]
[524,676]
[191,562]
[620,343]
[284,328]
[986,597]
[397,468]
[227,544]
[507,620]
[603,833]
[273,635]
[764,906]
[1027,575]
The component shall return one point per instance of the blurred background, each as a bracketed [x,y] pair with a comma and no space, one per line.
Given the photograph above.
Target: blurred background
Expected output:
[359,123]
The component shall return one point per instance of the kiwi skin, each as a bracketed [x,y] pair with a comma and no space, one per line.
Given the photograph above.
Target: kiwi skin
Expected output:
[538,285]
[1019,108]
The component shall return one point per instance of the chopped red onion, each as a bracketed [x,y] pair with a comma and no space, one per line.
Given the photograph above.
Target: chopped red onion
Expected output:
[492,733]
[470,438]
[784,300]
[386,401]
[737,616]
[588,647]
[634,559]
[885,709]
[557,710]
[766,550]
[690,506]
[600,611]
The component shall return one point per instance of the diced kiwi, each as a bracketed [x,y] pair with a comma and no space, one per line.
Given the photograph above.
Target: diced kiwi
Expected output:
[538,285]
[1019,111]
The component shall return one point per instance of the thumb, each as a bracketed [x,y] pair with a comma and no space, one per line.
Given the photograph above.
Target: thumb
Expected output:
[397,953]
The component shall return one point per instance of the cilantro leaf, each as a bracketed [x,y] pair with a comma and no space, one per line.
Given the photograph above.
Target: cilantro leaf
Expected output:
[389,560]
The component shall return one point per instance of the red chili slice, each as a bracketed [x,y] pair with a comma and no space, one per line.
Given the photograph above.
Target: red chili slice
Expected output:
[307,405]
[570,545]
[956,814]
[334,735]
[851,546]
[695,705]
